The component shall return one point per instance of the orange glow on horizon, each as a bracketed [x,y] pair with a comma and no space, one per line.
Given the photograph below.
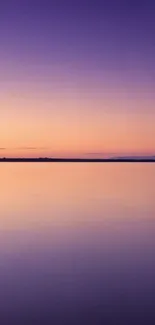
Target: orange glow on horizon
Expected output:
[72,124]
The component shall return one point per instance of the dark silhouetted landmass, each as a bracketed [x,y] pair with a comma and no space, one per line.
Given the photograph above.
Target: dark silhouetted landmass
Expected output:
[78,160]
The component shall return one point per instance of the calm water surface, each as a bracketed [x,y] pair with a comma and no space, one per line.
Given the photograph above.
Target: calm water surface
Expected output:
[77,244]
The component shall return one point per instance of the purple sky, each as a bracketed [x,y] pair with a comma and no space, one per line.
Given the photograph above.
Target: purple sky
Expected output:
[96,50]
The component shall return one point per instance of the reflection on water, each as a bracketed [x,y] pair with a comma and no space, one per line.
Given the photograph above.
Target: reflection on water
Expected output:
[77,243]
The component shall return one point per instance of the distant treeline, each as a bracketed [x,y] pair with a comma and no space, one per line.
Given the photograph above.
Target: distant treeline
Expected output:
[46,159]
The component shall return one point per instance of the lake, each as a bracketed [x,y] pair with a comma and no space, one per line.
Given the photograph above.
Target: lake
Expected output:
[77,243]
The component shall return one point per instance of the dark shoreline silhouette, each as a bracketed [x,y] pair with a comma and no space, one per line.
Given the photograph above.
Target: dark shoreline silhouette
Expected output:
[78,160]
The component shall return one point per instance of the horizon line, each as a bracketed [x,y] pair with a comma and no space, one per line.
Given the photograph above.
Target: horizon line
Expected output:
[58,159]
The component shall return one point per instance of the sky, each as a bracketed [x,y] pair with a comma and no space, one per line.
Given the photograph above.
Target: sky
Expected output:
[77,78]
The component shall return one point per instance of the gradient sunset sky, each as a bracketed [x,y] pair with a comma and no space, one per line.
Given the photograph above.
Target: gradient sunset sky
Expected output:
[77,78]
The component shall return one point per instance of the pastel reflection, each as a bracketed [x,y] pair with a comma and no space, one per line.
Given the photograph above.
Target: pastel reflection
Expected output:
[76,237]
